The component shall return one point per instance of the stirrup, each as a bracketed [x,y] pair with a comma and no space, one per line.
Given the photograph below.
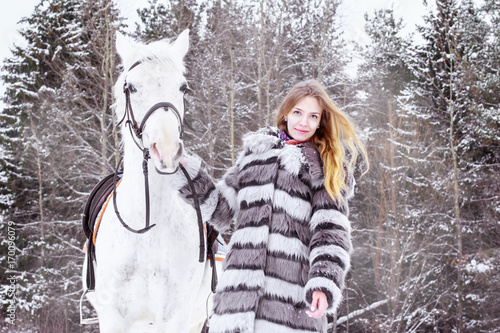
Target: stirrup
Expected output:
[86,321]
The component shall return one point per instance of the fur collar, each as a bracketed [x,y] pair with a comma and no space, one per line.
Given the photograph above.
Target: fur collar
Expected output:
[268,138]
[261,141]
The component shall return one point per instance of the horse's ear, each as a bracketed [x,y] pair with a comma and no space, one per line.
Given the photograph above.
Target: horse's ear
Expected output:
[123,45]
[181,44]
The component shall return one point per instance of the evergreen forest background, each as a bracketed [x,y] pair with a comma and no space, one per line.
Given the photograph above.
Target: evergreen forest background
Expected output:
[426,226]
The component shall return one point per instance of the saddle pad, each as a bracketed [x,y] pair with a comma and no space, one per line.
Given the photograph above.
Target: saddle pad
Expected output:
[95,201]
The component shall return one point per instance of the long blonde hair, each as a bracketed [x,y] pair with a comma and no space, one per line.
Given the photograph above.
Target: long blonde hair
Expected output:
[335,139]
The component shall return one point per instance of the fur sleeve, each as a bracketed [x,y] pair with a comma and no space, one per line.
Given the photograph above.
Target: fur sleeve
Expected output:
[226,203]
[330,248]
[218,201]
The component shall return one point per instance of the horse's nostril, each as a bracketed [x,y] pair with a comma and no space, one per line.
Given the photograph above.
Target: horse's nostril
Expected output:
[154,150]
[180,150]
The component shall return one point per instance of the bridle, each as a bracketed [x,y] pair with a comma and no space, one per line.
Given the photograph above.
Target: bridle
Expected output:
[136,131]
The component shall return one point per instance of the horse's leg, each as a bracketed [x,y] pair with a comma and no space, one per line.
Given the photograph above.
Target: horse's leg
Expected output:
[204,299]
[111,315]
[112,312]
[173,309]
[197,328]
[202,306]
[177,300]
[112,302]
[112,322]
[115,313]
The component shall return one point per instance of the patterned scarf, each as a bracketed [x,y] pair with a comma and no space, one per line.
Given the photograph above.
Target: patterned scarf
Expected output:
[288,140]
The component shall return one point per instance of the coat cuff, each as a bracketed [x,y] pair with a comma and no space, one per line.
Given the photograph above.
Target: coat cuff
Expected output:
[327,286]
[204,188]
[192,166]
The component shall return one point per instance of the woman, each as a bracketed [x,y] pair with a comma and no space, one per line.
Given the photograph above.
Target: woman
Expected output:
[288,191]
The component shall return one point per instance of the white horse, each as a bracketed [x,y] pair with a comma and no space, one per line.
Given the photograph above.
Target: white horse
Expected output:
[153,277]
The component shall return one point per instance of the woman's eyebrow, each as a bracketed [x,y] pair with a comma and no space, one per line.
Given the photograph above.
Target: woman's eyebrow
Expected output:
[299,109]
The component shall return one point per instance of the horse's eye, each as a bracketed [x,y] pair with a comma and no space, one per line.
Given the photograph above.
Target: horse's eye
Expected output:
[184,88]
[131,88]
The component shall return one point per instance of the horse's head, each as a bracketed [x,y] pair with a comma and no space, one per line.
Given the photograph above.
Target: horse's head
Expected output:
[150,96]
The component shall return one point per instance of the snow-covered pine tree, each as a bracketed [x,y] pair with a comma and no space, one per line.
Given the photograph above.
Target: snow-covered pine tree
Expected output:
[437,86]
[314,46]
[58,91]
[478,150]
[83,113]
[49,37]
[31,69]
[448,69]
[387,213]
[166,20]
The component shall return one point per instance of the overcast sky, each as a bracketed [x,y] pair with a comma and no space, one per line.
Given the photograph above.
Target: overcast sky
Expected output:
[352,17]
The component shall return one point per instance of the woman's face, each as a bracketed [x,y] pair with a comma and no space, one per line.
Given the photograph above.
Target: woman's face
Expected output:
[304,118]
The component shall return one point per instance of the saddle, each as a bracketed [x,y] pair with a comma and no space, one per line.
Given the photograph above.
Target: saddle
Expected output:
[95,202]
[97,199]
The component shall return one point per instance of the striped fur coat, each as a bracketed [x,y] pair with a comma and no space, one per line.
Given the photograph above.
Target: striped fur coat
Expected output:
[290,237]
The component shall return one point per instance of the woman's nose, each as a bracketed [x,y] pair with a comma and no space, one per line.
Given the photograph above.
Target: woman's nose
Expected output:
[303,121]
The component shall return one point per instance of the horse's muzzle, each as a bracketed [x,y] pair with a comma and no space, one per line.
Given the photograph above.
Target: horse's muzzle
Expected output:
[166,157]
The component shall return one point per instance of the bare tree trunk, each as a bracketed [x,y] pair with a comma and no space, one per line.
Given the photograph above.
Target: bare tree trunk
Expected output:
[210,135]
[260,60]
[456,205]
[456,190]
[36,146]
[380,233]
[104,107]
[278,54]
[321,43]
[108,67]
[231,108]
[395,251]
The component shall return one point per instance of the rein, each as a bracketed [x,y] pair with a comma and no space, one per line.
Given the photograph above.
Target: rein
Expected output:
[136,131]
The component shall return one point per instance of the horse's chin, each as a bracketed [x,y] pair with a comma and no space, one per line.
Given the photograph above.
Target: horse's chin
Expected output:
[162,168]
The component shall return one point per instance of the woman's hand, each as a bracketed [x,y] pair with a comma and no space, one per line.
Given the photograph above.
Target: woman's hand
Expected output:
[319,304]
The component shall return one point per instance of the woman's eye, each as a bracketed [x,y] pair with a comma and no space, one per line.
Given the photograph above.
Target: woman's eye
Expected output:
[296,112]
[314,116]
[183,88]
